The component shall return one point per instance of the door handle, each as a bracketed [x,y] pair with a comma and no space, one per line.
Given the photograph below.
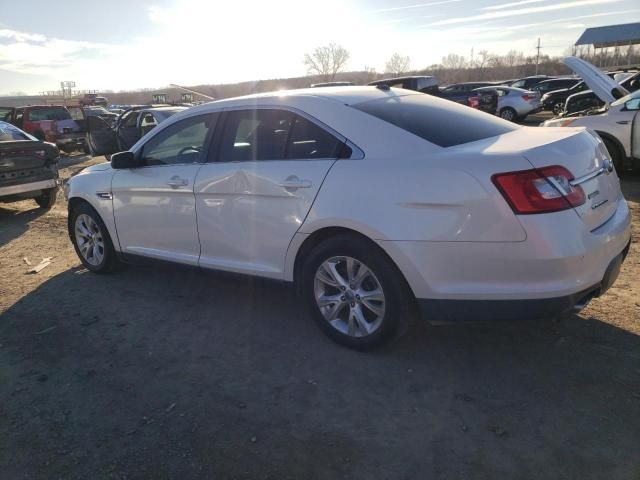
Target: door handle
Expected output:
[293,183]
[623,122]
[176,182]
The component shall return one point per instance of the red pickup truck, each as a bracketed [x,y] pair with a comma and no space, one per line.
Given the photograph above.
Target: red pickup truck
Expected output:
[51,123]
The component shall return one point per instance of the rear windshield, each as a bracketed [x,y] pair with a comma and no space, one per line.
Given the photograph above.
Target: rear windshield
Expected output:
[436,120]
[49,113]
[9,133]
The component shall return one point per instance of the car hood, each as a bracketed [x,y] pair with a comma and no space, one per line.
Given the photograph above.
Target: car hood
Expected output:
[100,167]
[602,85]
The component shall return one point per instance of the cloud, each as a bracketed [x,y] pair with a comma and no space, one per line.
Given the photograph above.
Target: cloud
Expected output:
[407,7]
[513,4]
[21,36]
[522,11]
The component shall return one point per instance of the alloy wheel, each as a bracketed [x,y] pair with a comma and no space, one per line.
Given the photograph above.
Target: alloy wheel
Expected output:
[349,296]
[89,239]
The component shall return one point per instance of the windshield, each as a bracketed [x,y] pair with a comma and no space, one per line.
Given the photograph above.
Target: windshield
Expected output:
[626,98]
[162,115]
[49,113]
[438,121]
[98,111]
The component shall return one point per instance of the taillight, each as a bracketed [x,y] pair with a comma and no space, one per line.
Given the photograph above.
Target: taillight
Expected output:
[540,190]
[527,98]
[474,102]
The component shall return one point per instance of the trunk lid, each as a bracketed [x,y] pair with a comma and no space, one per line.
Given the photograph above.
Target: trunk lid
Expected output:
[578,150]
[21,161]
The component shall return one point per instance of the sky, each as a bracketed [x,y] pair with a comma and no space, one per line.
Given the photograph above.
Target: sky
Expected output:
[129,44]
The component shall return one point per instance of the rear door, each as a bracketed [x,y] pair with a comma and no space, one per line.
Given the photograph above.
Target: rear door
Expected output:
[252,201]
[101,137]
[635,137]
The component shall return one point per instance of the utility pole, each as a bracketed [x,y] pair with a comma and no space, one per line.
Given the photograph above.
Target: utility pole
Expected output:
[538,55]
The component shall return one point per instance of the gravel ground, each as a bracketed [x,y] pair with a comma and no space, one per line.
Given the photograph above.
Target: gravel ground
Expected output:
[164,372]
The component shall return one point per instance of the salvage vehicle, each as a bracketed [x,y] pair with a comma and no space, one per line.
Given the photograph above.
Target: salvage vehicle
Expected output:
[554,84]
[287,185]
[128,128]
[555,100]
[486,101]
[528,83]
[588,100]
[28,167]
[52,123]
[515,104]
[617,123]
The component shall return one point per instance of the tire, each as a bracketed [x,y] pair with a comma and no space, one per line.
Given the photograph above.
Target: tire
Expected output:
[86,226]
[558,108]
[356,323]
[508,113]
[614,151]
[47,198]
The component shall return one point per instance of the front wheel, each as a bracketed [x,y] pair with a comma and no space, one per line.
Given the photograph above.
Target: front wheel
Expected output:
[355,293]
[47,198]
[91,239]
[558,108]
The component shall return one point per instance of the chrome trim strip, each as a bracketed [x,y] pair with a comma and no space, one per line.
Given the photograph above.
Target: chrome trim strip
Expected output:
[27,187]
[589,176]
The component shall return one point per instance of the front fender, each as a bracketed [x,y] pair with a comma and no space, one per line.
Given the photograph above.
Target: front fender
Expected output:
[94,187]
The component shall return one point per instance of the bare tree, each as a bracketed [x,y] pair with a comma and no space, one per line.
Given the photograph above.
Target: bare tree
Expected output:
[482,61]
[326,61]
[454,61]
[397,64]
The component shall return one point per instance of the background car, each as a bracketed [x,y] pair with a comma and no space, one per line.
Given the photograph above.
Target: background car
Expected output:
[424,84]
[617,124]
[553,84]
[288,185]
[587,99]
[528,83]
[133,124]
[515,103]
[28,167]
[52,123]
[556,99]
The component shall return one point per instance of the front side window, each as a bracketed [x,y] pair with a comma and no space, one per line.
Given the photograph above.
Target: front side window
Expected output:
[131,120]
[438,121]
[518,84]
[179,143]
[265,134]
[9,133]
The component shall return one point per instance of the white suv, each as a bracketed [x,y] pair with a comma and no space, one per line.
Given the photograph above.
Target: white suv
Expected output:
[378,203]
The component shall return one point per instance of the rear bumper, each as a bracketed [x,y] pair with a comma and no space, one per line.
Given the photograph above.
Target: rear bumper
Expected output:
[27,187]
[530,309]
[560,261]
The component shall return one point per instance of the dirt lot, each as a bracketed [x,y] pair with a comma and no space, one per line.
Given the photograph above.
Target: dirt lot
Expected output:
[153,373]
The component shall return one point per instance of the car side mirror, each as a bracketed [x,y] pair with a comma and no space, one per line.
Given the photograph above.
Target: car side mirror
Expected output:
[123,160]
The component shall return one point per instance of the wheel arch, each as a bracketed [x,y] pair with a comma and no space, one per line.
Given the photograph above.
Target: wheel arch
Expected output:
[317,237]
[105,214]
[616,143]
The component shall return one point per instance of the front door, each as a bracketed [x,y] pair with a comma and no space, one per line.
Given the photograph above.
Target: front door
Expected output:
[635,134]
[154,204]
[128,130]
[101,138]
[255,197]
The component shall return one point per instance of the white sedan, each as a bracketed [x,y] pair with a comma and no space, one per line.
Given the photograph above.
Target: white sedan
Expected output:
[377,203]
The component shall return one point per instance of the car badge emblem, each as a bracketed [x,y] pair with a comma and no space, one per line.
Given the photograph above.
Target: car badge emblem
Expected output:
[607,166]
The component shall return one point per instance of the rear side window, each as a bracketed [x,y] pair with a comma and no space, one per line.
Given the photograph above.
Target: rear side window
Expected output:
[308,140]
[438,121]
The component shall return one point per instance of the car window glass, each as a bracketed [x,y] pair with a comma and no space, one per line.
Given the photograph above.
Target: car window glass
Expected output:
[131,119]
[308,140]
[10,133]
[148,120]
[49,113]
[181,142]
[518,84]
[251,135]
[438,121]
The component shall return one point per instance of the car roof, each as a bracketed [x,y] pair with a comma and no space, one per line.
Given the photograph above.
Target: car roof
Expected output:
[349,95]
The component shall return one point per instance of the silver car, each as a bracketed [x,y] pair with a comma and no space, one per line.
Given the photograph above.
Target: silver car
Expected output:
[515,103]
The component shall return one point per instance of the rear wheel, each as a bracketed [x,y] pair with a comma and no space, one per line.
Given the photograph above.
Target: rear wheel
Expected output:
[91,239]
[508,113]
[47,198]
[558,108]
[355,293]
